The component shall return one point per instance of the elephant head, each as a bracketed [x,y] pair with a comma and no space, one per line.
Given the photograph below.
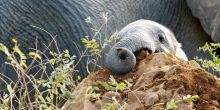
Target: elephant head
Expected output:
[141,34]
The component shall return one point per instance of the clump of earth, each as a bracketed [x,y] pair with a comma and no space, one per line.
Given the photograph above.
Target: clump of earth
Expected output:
[158,80]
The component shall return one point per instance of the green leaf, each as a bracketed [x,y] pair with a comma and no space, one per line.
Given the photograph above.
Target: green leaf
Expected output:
[106,86]
[66,54]
[171,104]
[41,81]
[14,40]
[68,95]
[34,54]
[16,49]
[10,90]
[120,87]
[3,47]
[113,81]
[52,61]
[78,78]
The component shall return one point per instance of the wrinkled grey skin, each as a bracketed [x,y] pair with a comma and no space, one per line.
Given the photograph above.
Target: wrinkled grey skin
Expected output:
[208,12]
[141,34]
[65,18]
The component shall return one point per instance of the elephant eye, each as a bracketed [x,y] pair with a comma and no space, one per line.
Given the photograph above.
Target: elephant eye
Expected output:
[161,37]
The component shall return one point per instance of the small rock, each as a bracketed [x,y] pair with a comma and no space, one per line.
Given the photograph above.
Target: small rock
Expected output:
[150,99]
[107,97]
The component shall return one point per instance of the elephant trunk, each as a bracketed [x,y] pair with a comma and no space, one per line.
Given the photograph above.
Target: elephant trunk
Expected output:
[120,60]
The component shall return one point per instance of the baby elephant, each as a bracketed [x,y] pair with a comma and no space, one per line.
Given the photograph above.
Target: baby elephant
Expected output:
[141,34]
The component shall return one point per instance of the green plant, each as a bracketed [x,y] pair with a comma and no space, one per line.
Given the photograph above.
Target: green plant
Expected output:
[112,85]
[94,93]
[115,105]
[59,80]
[214,62]
[95,45]
[173,103]
[49,89]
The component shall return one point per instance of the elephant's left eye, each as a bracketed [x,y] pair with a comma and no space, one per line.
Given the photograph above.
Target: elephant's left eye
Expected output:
[161,37]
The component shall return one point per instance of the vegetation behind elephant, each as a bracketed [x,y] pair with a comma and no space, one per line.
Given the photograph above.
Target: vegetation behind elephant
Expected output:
[66,20]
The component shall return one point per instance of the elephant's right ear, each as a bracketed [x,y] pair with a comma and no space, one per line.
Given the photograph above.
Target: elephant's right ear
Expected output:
[178,45]
[180,53]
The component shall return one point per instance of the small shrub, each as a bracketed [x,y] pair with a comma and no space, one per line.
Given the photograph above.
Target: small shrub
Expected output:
[95,90]
[57,84]
[94,45]
[172,104]
[111,85]
[214,62]
[115,105]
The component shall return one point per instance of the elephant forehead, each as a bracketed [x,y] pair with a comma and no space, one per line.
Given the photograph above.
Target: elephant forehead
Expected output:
[135,30]
[142,27]
[138,32]
[147,24]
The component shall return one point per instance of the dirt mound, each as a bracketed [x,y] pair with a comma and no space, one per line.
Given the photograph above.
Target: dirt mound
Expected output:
[159,81]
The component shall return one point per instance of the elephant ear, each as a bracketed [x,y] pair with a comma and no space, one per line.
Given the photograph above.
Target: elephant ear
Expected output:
[179,52]
[177,46]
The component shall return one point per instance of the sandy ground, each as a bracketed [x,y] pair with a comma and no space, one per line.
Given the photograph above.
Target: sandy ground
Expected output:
[156,80]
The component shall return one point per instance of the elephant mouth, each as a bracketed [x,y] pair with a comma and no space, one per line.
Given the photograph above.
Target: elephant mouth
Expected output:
[146,50]
[157,51]
[150,51]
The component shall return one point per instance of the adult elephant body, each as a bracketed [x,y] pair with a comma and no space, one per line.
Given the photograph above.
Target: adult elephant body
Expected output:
[65,18]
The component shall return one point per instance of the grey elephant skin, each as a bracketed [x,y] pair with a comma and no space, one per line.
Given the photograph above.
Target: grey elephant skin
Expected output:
[208,12]
[65,19]
[141,35]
